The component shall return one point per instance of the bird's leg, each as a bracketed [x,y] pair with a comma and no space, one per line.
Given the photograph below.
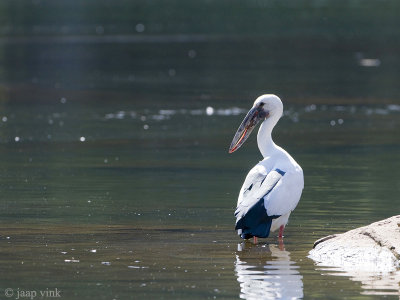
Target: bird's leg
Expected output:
[254,239]
[280,238]
[281,244]
[281,231]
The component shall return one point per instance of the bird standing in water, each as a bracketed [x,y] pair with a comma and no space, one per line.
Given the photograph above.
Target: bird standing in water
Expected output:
[273,187]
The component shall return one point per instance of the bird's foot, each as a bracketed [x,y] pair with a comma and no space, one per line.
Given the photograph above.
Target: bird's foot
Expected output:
[255,240]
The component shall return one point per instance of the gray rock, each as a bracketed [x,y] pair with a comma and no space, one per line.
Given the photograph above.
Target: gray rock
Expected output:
[369,254]
[375,242]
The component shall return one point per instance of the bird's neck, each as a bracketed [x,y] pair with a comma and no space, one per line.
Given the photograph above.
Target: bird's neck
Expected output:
[264,139]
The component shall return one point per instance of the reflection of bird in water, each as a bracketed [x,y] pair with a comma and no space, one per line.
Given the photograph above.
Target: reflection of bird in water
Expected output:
[273,187]
[266,272]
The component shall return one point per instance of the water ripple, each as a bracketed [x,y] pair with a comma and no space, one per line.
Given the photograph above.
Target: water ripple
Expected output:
[267,272]
[293,113]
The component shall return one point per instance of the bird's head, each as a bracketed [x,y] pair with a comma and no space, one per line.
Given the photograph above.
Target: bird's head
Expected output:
[265,107]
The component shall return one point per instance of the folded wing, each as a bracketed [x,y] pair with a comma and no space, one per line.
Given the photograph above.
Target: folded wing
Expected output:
[253,217]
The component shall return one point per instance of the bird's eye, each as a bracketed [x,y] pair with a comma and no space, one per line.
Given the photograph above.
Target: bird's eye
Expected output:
[262,114]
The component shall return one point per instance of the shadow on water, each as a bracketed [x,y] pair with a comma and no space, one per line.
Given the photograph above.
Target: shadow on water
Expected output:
[265,271]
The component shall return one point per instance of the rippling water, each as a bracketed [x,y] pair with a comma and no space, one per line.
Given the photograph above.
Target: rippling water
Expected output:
[116,181]
[267,272]
[143,206]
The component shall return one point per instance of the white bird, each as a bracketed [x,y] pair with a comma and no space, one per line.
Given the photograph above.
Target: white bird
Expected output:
[273,187]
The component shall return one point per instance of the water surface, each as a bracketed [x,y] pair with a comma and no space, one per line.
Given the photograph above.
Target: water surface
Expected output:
[116,182]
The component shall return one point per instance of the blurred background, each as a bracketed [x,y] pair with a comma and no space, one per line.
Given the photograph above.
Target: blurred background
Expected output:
[115,123]
[191,50]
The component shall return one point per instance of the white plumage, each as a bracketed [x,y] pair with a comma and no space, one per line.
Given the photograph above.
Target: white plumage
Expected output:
[273,187]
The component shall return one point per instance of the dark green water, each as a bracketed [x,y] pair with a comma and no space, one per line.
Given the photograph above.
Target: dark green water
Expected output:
[115,123]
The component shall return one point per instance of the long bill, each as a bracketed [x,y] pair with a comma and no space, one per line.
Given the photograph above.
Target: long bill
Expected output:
[253,117]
